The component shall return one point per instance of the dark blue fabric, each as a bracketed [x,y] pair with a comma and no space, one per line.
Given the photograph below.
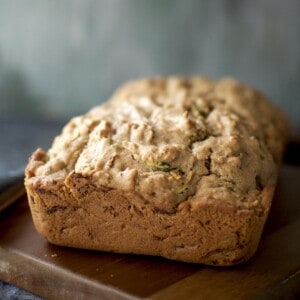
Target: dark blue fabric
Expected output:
[9,292]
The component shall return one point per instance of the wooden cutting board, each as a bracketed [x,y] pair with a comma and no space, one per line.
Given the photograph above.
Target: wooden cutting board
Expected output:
[30,262]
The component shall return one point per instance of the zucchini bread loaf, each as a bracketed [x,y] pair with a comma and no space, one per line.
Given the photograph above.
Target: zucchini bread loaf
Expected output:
[183,168]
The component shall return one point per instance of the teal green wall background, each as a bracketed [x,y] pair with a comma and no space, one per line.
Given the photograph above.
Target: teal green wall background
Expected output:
[58,58]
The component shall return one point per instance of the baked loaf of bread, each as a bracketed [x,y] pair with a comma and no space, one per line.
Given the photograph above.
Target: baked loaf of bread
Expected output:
[183,168]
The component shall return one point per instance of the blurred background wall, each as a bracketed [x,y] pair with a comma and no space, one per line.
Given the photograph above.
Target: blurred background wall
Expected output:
[58,58]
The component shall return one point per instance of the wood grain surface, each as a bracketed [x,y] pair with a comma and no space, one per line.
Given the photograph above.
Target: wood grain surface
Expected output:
[27,260]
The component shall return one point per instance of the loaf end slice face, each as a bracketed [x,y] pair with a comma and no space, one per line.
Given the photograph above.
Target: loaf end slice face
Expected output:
[183,168]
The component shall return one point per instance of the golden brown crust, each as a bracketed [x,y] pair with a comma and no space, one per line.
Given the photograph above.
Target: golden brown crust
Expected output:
[132,181]
[199,232]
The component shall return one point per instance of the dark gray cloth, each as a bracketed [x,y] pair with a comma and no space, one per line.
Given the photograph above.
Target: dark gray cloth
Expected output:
[9,292]
[18,140]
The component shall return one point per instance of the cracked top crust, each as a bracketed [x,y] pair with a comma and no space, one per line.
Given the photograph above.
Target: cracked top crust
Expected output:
[172,139]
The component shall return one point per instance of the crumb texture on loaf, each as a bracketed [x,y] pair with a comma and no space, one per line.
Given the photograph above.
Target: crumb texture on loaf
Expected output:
[169,146]
[173,139]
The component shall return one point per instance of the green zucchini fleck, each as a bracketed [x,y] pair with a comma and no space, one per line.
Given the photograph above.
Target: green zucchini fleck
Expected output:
[180,189]
[164,166]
